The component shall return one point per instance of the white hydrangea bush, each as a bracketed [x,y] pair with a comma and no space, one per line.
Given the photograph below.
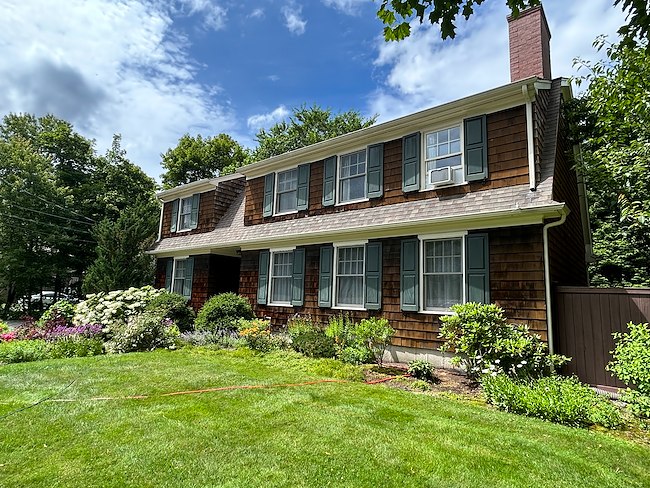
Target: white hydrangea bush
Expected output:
[115,306]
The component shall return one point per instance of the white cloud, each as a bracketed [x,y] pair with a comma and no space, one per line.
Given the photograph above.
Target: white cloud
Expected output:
[350,7]
[259,121]
[214,15]
[106,67]
[293,20]
[258,13]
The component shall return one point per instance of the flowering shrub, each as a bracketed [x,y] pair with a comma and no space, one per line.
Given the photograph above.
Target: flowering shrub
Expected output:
[8,336]
[143,332]
[63,331]
[114,306]
[258,336]
[485,343]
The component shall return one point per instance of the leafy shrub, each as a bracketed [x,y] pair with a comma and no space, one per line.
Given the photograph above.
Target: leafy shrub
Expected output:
[309,338]
[21,351]
[114,306]
[75,346]
[222,338]
[631,364]
[258,336]
[143,332]
[62,309]
[173,306]
[557,399]
[483,342]
[4,327]
[375,333]
[359,343]
[422,370]
[222,312]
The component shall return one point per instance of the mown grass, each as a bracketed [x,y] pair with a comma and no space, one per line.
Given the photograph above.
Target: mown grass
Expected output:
[326,434]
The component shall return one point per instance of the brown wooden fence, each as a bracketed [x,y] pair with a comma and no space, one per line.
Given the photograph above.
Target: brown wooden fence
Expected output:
[584,321]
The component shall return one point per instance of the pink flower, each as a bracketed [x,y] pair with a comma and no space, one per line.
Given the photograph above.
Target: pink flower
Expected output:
[8,337]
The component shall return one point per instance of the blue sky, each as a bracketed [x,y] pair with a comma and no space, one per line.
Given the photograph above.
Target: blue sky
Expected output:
[153,70]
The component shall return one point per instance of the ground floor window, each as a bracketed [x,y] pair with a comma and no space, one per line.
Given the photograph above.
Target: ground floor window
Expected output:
[281,277]
[182,277]
[350,276]
[443,273]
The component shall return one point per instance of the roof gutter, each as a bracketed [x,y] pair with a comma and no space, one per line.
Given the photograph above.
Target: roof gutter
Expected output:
[547,279]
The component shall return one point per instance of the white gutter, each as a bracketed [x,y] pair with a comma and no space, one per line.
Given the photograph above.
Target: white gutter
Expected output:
[547,281]
[530,135]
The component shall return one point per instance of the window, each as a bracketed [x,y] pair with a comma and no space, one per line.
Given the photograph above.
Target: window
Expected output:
[443,273]
[442,154]
[286,199]
[350,276]
[281,277]
[352,177]
[185,214]
[182,276]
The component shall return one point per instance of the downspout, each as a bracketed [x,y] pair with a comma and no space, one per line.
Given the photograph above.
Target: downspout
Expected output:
[530,136]
[547,281]
[162,207]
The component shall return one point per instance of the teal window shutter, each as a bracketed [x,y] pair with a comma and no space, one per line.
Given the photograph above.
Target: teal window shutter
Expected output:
[269,182]
[263,277]
[302,195]
[298,288]
[410,275]
[325,276]
[411,162]
[329,182]
[476,166]
[477,268]
[189,274]
[174,222]
[168,274]
[375,180]
[194,217]
[373,275]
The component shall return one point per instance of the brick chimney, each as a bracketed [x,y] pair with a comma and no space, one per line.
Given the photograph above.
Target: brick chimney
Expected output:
[530,52]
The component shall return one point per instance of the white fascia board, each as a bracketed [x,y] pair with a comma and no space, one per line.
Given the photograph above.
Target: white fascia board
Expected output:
[490,101]
[199,186]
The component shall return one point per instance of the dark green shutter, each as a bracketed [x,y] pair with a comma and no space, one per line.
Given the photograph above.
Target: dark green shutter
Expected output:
[375,180]
[411,162]
[269,182]
[325,276]
[189,274]
[410,275]
[302,195]
[174,222]
[329,181]
[168,274]
[194,217]
[263,277]
[373,276]
[477,268]
[476,167]
[298,288]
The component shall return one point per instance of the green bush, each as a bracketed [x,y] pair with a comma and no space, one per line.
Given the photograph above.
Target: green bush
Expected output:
[4,327]
[484,342]
[258,336]
[375,334]
[23,351]
[359,343]
[60,309]
[309,338]
[557,399]
[173,306]
[222,312]
[422,370]
[75,346]
[143,332]
[631,364]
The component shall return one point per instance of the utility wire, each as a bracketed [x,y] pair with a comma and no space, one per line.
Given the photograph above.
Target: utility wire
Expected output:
[46,223]
[69,219]
[57,205]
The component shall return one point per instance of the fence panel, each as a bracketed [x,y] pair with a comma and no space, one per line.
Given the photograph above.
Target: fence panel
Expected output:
[584,321]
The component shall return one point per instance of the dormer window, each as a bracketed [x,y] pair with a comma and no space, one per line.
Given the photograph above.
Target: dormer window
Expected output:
[443,157]
[286,198]
[185,214]
[352,177]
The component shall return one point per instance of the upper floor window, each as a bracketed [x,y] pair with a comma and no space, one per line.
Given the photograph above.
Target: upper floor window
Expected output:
[442,157]
[352,177]
[185,214]
[443,273]
[286,191]
[350,276]
[281,277]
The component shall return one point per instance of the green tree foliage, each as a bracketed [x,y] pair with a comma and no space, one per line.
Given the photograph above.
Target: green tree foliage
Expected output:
[307,126]
[396,15]
[195,158]
[612,119]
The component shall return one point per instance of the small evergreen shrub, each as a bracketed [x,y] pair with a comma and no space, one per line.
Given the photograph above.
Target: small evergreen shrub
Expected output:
[484,342]
[309,338]
[21,351]
[173,306]
[222,312]
[143,332]
[557,399]
[631,364]
[422,370]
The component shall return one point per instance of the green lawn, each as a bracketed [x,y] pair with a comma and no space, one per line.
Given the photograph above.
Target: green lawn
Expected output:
[325,434]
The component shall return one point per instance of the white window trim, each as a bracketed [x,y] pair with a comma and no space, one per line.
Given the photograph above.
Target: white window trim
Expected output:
[269,292]
[178,217]
[423,155]
[433,237]
[275,193]
[337,246]
[176,259]
[338,179]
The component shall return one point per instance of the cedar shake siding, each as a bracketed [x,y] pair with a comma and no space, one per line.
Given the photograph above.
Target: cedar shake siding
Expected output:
[507,166]
[516,282]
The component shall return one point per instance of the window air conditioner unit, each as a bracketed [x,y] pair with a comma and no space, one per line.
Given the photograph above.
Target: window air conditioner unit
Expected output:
[441,176]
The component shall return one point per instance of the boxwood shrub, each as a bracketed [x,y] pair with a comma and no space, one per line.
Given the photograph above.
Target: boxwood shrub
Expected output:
[223,312]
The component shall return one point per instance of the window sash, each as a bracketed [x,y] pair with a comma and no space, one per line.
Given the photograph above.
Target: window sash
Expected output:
[179,276]
[442,273]
[185,213]
[281,277]
[442,149]
[352,176]
[350,275]
[287,191]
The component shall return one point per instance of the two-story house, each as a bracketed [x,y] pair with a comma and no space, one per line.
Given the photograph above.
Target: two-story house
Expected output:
[473,200]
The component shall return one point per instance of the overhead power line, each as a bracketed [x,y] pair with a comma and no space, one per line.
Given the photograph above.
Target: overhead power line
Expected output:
[57,205]
[69,219]
[47,223]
